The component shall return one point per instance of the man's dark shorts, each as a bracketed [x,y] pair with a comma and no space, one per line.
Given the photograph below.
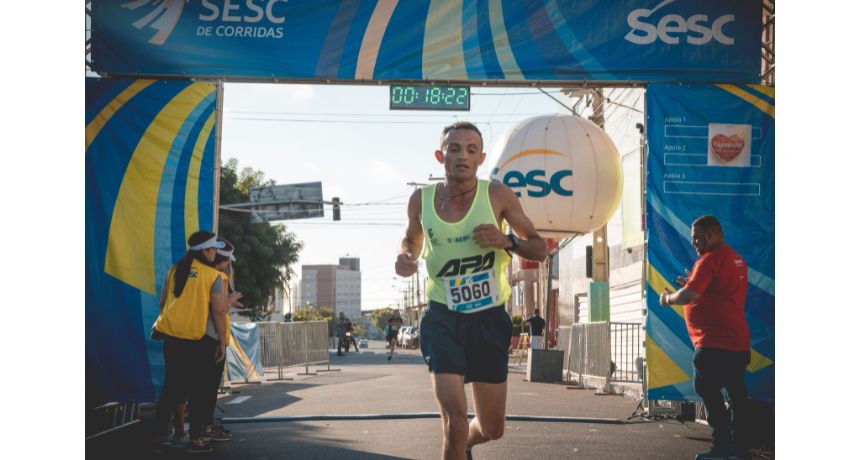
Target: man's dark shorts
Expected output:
[473,345]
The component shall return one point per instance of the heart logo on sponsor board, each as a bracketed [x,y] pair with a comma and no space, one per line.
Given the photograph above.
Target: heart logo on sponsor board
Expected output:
[727,148]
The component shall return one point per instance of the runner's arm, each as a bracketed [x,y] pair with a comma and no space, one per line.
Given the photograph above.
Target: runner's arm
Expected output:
[532,247]
[410,246]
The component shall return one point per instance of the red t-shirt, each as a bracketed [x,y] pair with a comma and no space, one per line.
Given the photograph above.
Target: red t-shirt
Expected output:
[717,319]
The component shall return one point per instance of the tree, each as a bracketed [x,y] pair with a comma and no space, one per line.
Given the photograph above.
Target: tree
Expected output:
[358,328]
[265,253]
[379,317]
[311,314]
[317,314]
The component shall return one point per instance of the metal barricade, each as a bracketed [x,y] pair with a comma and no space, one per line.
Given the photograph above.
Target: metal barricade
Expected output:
[627,351]
[291,344]
[587,351]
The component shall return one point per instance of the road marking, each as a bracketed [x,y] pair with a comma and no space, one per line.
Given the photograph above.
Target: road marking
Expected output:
[239,400]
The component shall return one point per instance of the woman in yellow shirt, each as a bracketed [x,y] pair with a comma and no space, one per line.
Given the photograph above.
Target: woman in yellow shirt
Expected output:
[223,262]
[191,289]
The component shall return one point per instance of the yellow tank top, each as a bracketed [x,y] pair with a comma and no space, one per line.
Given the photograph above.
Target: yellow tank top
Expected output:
[185,316]
[449,249]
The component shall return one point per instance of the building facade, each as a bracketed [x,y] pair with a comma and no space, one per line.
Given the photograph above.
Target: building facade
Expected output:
[336,286]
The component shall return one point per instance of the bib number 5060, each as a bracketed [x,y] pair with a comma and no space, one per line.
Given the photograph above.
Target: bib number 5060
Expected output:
[470,291]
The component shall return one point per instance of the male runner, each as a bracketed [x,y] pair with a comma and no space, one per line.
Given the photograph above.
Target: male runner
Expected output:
[395,322]
[465,331]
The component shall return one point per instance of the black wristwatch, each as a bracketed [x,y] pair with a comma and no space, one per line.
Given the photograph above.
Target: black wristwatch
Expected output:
[515,242]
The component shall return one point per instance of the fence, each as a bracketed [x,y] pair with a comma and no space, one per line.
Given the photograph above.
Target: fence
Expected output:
[627,351]
[608,351]
[290,344]
[586,350]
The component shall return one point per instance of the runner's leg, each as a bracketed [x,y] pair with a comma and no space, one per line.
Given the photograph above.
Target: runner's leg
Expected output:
[451,397]
[489,421]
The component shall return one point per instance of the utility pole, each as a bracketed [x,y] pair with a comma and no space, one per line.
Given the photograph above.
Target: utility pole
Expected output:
[417,289]
[601,248]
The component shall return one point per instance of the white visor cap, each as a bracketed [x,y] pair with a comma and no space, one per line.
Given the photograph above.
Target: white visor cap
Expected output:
[210,243]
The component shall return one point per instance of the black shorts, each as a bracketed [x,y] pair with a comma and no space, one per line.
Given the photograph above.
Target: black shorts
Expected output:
[391,336]
[472,345]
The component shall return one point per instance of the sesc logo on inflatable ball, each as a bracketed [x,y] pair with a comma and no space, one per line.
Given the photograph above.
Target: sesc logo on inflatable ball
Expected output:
[565,171]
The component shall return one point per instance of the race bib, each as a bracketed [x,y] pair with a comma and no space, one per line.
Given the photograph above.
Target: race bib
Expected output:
[472,293]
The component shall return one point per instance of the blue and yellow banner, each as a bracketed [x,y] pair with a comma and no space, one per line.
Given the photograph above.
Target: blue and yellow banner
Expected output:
[464,40]
[710,151]
[150,164]
[243,353]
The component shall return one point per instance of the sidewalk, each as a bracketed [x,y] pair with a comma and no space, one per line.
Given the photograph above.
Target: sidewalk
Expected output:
[369,384]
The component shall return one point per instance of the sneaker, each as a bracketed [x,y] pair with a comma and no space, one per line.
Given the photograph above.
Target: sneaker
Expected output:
[389,357]
[468,454]
[197,446]
[180,442]
[717,452]
[340,354]
[164,440]
[221,428]
[216,435]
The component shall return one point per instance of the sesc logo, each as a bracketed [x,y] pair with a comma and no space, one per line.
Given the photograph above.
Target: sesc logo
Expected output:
[234,18]
[672,27]
[536,183]
[162,17]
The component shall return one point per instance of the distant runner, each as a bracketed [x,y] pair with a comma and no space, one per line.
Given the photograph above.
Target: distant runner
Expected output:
[395,322]
[465,331]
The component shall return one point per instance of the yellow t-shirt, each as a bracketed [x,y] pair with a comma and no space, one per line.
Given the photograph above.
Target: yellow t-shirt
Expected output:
[185,316]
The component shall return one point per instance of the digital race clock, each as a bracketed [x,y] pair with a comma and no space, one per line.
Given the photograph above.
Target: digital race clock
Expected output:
[423,97]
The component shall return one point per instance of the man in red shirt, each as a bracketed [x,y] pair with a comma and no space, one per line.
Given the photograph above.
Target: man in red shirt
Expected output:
[713,296]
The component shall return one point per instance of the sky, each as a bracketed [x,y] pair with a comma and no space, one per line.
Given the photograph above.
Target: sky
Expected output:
[346,137]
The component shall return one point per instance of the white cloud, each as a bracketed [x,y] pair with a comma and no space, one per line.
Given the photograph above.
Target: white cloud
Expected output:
[383,171]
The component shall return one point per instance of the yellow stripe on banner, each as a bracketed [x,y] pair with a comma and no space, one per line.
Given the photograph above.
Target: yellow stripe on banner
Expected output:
[662,371]
[657,282]
[530,152]
[96,124]
[131,241]
[758,361]
[764,89]
[758,103]
[372,39]
[249,366]
[443,41]
[501,44]
[192,184]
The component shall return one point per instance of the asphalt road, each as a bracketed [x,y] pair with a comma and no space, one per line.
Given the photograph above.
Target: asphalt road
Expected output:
[369,384]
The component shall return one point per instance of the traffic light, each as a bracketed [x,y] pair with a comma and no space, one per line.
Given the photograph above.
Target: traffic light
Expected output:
[335,208]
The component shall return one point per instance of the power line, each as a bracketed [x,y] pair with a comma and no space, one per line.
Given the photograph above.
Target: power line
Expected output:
[399,122]
[394,115]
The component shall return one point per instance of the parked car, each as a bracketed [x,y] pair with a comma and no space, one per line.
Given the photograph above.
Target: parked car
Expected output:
[413,340]
[406,336]
[400,332]
[362,343]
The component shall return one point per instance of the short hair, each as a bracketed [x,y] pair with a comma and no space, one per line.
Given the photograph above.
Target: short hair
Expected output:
[708,224]
[459,125]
